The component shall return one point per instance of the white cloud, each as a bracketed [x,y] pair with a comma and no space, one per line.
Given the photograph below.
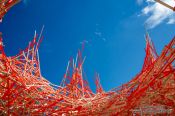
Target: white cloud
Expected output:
[171,21]
[158,13]
[139,2]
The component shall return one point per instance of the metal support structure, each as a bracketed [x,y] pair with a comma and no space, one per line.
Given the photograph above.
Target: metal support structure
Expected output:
[24,91]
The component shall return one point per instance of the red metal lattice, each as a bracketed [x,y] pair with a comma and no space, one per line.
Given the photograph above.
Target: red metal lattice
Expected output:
[24,91]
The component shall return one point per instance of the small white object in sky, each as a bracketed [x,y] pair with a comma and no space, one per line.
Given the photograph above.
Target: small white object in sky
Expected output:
[98,34]
[84,42]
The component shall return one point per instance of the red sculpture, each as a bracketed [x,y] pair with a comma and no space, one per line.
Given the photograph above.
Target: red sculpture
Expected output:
[24,91]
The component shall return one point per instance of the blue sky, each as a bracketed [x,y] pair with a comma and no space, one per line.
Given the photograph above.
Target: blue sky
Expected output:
[114,34]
